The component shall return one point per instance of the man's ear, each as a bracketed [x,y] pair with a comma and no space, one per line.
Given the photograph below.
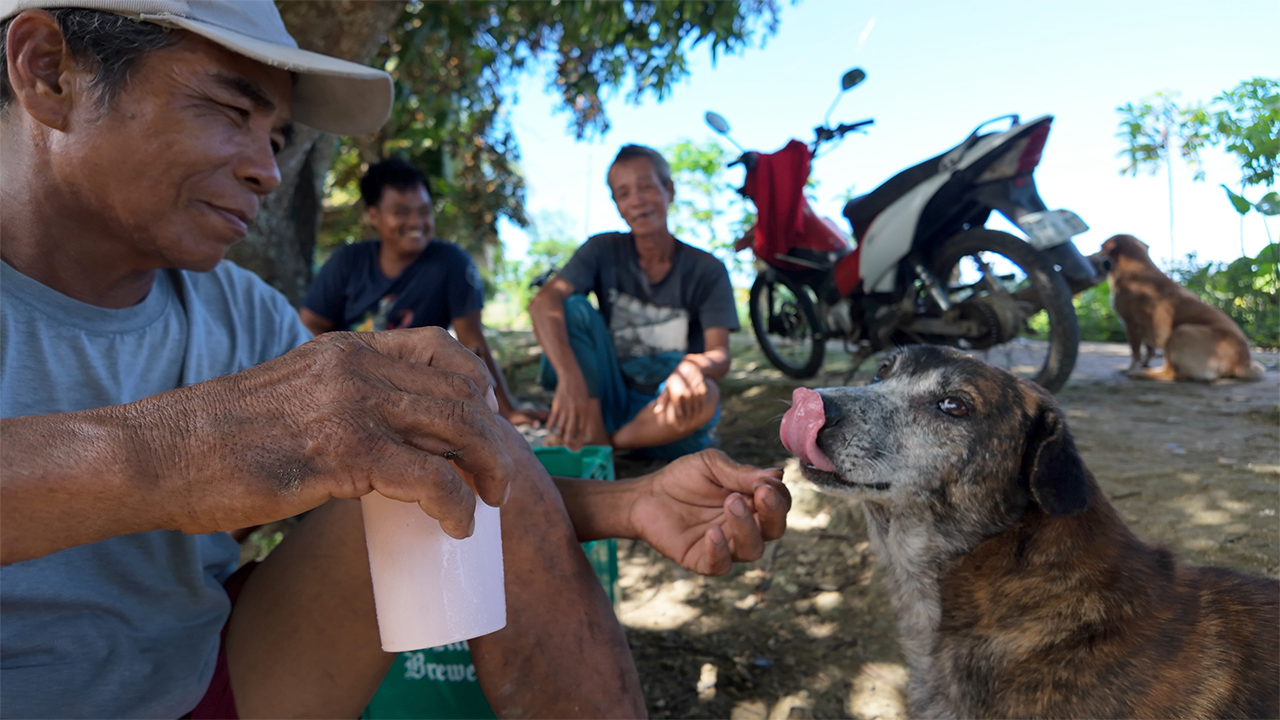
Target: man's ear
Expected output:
[1055,473]
[42,72]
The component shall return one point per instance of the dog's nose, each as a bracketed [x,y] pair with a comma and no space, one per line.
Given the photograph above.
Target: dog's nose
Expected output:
[833,414]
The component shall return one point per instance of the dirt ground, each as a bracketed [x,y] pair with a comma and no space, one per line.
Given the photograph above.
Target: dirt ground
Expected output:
[807,631]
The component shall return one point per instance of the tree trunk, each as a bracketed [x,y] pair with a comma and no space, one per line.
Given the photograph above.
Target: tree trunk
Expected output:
[281,241]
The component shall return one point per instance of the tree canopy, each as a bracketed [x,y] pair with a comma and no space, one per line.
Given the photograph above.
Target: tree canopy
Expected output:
[455,65]
[1243,121]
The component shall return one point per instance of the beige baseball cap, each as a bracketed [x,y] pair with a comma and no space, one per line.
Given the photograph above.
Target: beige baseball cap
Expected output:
[332,95]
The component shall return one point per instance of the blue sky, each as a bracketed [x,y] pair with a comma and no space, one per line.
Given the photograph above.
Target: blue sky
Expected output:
[935,70]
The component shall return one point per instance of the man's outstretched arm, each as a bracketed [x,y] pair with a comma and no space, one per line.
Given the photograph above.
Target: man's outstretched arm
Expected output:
[336,418]
[704,511]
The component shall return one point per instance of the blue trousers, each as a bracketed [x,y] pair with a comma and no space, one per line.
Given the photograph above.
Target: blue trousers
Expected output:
[593,347]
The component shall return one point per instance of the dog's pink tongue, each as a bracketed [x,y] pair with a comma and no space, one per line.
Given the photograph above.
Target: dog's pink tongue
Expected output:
[800,428]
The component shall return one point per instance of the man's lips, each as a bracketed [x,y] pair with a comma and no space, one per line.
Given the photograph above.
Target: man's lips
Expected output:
[238,219]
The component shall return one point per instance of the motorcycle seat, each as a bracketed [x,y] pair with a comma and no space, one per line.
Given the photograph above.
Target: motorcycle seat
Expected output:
[861,210]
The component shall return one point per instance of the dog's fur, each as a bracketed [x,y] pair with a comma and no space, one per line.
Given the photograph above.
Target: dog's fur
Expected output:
[1019,590]
[1199,341]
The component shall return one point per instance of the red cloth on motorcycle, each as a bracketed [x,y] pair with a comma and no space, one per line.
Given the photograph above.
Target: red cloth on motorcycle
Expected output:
[785,221]
[777,187]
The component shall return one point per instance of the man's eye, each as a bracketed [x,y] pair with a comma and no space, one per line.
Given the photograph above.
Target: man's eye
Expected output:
[239,111]
[954,406]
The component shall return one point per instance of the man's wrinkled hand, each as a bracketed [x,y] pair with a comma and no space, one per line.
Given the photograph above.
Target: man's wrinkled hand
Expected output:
[706,511]
[406,413]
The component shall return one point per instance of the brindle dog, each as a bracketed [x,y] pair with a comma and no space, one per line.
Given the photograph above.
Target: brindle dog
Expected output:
[1019,590]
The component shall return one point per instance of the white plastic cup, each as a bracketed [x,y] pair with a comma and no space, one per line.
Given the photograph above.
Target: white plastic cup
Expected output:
[431,589]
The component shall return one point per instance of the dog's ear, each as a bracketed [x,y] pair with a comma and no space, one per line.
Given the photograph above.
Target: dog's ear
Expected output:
[1109,247]
[1053,468]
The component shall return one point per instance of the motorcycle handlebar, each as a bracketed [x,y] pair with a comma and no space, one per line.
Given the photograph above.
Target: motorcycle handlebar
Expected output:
[823,133]
[747,159]
[854,126]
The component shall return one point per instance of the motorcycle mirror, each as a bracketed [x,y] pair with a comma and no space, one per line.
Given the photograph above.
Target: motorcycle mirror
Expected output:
[718,123]
[851,78]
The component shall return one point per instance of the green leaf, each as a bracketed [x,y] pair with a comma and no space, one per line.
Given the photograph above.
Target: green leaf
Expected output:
[1242,206]
[1269,204]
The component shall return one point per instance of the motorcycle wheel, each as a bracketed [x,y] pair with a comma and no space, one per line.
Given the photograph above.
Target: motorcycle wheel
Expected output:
[786,326]
[1007,284]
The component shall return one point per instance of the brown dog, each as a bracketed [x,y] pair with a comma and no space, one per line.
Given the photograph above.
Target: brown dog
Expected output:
[1019,590]
[1198,340]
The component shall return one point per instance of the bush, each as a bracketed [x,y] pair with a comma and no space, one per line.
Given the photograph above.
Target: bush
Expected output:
[1098,322]
[1247,289]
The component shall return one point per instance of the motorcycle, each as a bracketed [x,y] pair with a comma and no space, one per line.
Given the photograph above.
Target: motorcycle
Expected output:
[923,268]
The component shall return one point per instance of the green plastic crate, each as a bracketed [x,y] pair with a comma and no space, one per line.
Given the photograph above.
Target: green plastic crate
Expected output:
[440,682]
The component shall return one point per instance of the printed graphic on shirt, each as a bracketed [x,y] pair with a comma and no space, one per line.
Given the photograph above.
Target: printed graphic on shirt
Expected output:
[380,318]
[641,329]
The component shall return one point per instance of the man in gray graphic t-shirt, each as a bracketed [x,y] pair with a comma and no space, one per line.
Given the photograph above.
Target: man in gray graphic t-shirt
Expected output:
[639,374]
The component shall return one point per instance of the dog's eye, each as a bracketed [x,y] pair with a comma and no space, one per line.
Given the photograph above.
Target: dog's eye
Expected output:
[881,371]
[954,406]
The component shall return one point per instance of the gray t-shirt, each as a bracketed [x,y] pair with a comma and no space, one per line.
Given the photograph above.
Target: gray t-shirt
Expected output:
[652,318]
[125,627]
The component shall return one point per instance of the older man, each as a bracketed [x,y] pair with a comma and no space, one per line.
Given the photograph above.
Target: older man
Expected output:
[153,401]
[640,373]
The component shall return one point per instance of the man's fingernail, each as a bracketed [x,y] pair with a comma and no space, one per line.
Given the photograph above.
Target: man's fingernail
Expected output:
[717,537]
[772,500]
[493,400]
[737,507]
[505,494]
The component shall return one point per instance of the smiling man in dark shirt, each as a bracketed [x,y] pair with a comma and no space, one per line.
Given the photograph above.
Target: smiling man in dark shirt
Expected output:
[406,277]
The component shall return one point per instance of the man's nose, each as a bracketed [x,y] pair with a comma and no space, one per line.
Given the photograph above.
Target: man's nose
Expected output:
[258,168]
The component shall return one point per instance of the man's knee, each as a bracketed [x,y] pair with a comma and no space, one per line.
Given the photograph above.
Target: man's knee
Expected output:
[579,313]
